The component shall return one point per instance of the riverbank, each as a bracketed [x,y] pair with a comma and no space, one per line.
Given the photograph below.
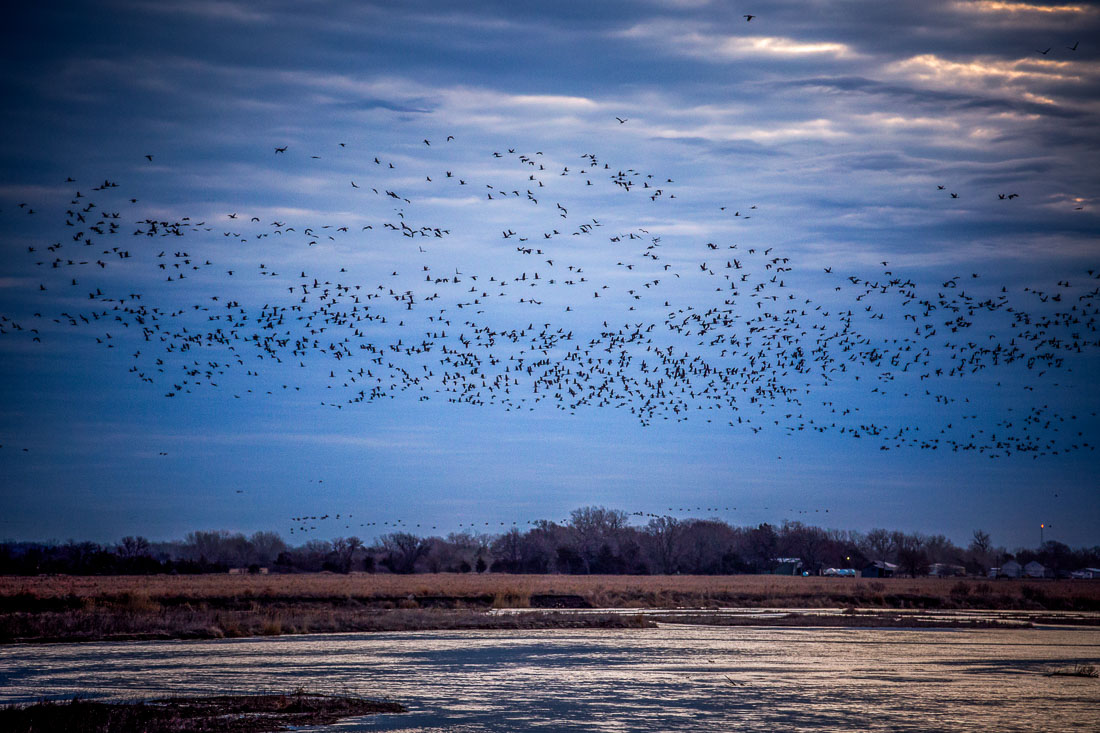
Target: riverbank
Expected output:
[229,713]
[63,608]
[141,619]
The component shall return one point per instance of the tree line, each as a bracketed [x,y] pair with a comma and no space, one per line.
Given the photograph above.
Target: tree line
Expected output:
[595,540]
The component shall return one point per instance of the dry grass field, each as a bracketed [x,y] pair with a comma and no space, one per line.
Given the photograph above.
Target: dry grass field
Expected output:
[601,591]
[56,608]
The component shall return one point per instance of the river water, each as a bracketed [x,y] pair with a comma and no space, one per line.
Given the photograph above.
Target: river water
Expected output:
[677,677]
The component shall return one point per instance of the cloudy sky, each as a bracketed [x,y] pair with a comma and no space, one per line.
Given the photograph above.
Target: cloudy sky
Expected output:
[899,169]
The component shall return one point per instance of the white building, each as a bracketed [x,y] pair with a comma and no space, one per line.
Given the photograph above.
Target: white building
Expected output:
[1035,569]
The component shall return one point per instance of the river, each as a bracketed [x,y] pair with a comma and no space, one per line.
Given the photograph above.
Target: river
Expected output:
[676,677]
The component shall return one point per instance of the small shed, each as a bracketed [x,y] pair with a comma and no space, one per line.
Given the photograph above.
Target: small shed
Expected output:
[880,569]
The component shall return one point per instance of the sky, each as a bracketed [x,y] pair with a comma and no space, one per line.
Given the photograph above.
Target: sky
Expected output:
[835,263]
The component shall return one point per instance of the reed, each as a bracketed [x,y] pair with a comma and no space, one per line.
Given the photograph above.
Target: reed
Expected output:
[1077,670]
[115,607]
[231,713]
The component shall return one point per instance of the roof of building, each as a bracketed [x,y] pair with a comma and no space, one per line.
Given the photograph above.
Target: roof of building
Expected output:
[883,564]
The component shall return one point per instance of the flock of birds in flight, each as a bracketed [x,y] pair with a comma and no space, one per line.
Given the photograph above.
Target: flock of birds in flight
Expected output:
[307,523]
[619,316]
[569,310]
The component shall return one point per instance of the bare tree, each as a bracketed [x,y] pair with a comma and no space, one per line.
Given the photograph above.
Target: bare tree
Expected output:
[762,543]
[266,546]
[343,551]
[507,552]
[942,550]
[402,551]
[593,529]
[465,549]
[436,555]
[666,534]
[880,544]
[912,558]
[133,547]
[807,543]
[980,548]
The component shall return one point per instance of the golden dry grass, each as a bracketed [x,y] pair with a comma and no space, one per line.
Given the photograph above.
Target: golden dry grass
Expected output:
[64,608]
[598,590]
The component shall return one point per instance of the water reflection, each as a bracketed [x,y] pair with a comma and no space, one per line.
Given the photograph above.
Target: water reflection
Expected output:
[672,678]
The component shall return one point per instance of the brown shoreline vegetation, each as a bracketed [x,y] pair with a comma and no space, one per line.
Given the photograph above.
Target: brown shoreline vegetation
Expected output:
[229,713]
[83,608]
[876,619]
[1078,670]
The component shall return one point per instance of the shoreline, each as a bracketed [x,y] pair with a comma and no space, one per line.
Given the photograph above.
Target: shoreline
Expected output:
[60,609]
[262,713]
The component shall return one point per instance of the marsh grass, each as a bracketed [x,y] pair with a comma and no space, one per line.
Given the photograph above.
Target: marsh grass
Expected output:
[301,619]
[651,590]
[511,598]
[62,608]
[231,713]
[849,619]
[1077,670]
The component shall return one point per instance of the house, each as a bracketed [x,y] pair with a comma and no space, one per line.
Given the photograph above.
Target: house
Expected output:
[1035,569]
[1011,569]
[880,569]
[1086,574]
[788,566]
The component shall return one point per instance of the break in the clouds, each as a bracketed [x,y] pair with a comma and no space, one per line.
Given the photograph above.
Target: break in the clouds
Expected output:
[953,141]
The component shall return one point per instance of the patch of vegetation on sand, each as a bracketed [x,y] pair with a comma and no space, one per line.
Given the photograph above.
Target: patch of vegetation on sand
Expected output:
[1077,670]
[230,713]
[858,620]
[103,623]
